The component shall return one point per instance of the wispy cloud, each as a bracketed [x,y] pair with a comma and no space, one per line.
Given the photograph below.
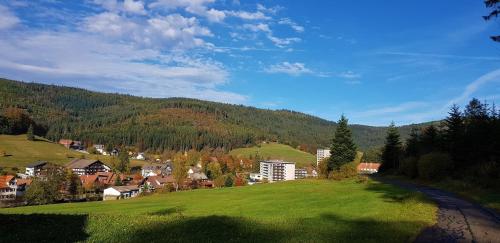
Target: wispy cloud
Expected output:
[435,55]
[7,18]
[493,76]
[293,69]
[292,24]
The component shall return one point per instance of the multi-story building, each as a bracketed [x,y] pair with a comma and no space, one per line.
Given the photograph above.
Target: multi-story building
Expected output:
[277,170]
[300,173]
[87,166]
[321,154]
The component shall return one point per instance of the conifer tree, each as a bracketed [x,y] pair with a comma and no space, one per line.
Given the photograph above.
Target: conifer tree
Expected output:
[343,149]
[30,134]
[392,149]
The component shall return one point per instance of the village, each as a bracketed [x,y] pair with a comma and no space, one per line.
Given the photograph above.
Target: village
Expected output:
[85,179]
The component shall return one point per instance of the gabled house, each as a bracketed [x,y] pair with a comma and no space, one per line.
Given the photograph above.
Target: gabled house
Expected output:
[153,183]
[120,192]
[77,145]
[8,187]
[99,148]
[157,170]
[87,166]
[35,168]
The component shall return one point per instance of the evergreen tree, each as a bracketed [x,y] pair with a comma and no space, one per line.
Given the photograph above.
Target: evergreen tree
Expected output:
[343,149]
[392,149]
[454,134]
[412,148]
[30,134]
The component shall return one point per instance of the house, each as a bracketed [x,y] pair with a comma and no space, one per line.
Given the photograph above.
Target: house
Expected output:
[153,183]
[156,170]
[140,156]
[99,180]
[277,170]
[87,166]
[8,187]
[198,176]
[300,173]
[77,145]
[66,142]
[255,177]
[22,186]
[114,152]
[99,148]
[194,169]
[35,168]
[120,192]
[368,168]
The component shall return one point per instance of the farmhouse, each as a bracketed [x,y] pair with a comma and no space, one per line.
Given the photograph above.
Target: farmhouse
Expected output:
[368,168]
[99,148]
[87,166]
[277,170]
[153,183]
[120,192]
[35,168]
[8,187]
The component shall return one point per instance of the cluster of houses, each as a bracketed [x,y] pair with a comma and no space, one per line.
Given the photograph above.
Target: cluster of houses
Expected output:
[99,148]
[97,177]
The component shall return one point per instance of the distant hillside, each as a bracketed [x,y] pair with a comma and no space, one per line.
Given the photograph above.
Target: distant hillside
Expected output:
[277,151]
[162,124]
[21,152]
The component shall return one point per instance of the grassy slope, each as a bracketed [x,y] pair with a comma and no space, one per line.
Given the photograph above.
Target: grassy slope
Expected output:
[277,151]
[311,210]
[21,152]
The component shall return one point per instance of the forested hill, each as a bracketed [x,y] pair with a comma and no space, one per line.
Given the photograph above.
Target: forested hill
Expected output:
[161,124]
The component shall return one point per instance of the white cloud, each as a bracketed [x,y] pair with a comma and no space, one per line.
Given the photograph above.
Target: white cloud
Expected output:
[294,69]
[172,31]
[128,6]
[248,15]
[197,7]
[7,18]
[93,62]
[133,6]
[349,75]
[493,76]
[257,27]
[292,24]
[283,42]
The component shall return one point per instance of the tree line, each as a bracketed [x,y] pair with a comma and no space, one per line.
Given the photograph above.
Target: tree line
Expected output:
[465,146]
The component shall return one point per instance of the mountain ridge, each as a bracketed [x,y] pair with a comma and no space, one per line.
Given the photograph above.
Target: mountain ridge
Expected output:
[175,123]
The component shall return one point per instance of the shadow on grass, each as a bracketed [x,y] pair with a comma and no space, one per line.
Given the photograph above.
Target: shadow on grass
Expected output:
[169,211]
[42,228]
[324,228]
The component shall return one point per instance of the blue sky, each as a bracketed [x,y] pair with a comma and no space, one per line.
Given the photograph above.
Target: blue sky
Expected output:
[375,62]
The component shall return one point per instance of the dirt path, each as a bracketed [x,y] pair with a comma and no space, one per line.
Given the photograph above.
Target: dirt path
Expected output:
[458,220]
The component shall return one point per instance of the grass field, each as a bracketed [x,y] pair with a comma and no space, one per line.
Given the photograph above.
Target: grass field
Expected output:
[277,151]
[298,211]
[21,152]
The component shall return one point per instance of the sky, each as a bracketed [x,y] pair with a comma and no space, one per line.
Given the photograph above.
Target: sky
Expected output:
[373,61]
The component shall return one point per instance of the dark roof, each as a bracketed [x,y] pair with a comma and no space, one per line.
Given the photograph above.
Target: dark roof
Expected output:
[36,163]
[81,163]
[126,188]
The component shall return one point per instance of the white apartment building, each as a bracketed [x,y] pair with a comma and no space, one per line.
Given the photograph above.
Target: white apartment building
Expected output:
[277,170]
[321,154]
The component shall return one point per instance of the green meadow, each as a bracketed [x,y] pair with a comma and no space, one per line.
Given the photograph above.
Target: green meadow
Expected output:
[277,151]
[21,152]
[297,211]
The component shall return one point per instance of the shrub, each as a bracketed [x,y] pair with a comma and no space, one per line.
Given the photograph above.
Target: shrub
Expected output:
[434,166]
[408,167]
[345,171]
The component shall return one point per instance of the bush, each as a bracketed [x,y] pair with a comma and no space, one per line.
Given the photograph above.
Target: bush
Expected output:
[434,166]
[408,167]
[346,171]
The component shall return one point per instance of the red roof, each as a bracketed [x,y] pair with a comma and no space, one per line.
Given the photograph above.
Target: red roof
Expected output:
[66,141]
[24,181]
[368,166]
[4,180]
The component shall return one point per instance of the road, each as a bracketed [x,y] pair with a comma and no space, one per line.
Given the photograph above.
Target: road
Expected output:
[458,220]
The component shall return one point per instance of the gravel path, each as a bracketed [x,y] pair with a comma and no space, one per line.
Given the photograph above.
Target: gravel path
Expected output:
[458,220]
